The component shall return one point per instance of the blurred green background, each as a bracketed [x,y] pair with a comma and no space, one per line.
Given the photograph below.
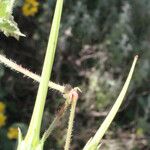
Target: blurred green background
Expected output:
[97,42]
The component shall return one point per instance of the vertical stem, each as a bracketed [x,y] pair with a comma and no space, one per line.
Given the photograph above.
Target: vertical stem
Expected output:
[35,123]
[70,125]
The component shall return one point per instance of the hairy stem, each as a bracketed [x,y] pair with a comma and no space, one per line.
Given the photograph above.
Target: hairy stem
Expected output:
[72,98]
[14,66]
[70,125]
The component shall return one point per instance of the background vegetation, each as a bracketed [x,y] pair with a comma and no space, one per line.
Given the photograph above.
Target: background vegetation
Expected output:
[97,42]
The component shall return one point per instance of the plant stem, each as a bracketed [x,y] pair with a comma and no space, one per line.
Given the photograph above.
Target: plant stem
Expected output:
[70,125]
[14,66]
[35,123]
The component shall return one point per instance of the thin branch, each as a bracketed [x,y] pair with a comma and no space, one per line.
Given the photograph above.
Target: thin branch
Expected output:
[73,97]
[14,66]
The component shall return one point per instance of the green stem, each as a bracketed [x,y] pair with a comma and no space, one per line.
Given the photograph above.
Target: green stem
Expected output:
[70,124]
[35,123]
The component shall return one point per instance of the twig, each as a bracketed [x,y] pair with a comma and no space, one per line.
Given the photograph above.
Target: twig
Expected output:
[72,97]
[14,66]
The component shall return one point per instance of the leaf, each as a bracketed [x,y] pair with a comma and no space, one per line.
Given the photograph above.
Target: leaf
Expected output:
[4,11]
[93,144]
[7,24]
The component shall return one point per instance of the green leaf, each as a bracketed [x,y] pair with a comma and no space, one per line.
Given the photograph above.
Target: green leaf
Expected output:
[7,24]
[93,143]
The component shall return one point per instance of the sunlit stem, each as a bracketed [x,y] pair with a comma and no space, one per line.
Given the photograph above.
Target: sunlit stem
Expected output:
[14,66]
[73,97]
[35,123]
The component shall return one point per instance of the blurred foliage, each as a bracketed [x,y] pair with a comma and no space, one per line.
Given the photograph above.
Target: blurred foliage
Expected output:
[97,42]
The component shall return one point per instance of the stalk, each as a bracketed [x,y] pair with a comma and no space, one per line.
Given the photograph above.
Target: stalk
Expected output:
[72,99]
[70,125]
[33,133]
[14,66]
